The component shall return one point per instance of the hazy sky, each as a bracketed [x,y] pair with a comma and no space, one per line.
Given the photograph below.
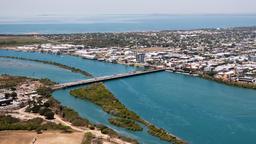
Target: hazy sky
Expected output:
[22,8]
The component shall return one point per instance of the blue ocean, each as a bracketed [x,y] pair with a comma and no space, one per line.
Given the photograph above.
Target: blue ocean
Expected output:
[122,23]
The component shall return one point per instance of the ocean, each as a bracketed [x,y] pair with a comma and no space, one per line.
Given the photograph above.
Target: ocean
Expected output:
[123,23]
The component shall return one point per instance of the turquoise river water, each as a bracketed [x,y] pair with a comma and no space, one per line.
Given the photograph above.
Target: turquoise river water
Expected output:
[197,110]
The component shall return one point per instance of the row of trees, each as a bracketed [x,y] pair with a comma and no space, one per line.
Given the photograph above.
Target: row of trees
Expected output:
[10,123]
[12,95]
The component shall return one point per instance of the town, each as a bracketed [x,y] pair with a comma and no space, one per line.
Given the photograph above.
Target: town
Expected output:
[226,54]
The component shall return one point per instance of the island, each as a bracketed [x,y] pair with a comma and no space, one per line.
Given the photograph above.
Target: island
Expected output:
[98,94]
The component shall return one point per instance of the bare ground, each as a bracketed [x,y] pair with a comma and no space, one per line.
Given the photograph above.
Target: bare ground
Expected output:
[49,137]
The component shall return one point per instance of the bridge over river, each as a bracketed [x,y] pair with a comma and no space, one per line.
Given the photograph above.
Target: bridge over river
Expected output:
[104,78]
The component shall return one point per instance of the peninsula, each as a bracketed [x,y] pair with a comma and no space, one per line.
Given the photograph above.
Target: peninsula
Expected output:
[27,104]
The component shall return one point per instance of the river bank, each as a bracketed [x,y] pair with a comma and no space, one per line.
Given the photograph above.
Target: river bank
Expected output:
[206,76]
[72,69]
[98,94]
[36,114]
[145,123]
[181,104]
[194,73]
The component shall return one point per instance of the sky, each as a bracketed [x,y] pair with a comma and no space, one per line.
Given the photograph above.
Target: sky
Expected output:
[29,8]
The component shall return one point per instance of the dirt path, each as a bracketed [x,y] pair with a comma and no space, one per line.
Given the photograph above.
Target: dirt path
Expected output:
[57,119]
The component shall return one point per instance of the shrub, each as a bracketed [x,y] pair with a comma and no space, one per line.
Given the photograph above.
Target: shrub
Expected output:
[44,91]
[49,114]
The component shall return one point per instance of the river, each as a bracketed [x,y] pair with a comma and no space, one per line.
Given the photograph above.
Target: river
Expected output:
[197,110]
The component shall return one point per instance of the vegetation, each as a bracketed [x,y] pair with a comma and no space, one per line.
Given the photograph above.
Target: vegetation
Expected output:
[88,137]
[48,114]
[74,118]
[98,94]
[47,82]
[48,109]
[11,123]
[125,123]
[73,69]
[20,40]
[10,82]
[112,133]
[67,113]
[37,106]
[162,134]
[44,91]
[12,95]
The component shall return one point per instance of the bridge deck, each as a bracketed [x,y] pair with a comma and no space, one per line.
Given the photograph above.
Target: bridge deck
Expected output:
[103,78]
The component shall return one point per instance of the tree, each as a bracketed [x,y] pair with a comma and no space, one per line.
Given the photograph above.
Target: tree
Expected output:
[13,88]
[49,114]
[42,110]
[35,108]
[47,104]
[44,91]
[14,95]
[7,95]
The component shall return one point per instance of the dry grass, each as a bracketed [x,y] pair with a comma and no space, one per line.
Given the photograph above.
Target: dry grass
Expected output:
[20,40]
[49,137]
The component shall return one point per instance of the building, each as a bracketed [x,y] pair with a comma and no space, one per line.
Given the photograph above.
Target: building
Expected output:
[140,57]
[5,101]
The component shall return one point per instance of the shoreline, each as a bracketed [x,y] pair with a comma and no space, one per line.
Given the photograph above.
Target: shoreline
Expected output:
[194,74]
[205,76]
[72,69]
[210,78]
[118,110]
[137,30]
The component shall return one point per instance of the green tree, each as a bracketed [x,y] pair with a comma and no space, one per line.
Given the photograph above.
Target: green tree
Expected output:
[49,114]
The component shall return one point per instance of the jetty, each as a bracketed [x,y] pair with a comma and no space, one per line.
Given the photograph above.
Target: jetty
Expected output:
[104,78]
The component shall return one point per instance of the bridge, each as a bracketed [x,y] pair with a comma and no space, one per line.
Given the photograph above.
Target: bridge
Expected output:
[103,78]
